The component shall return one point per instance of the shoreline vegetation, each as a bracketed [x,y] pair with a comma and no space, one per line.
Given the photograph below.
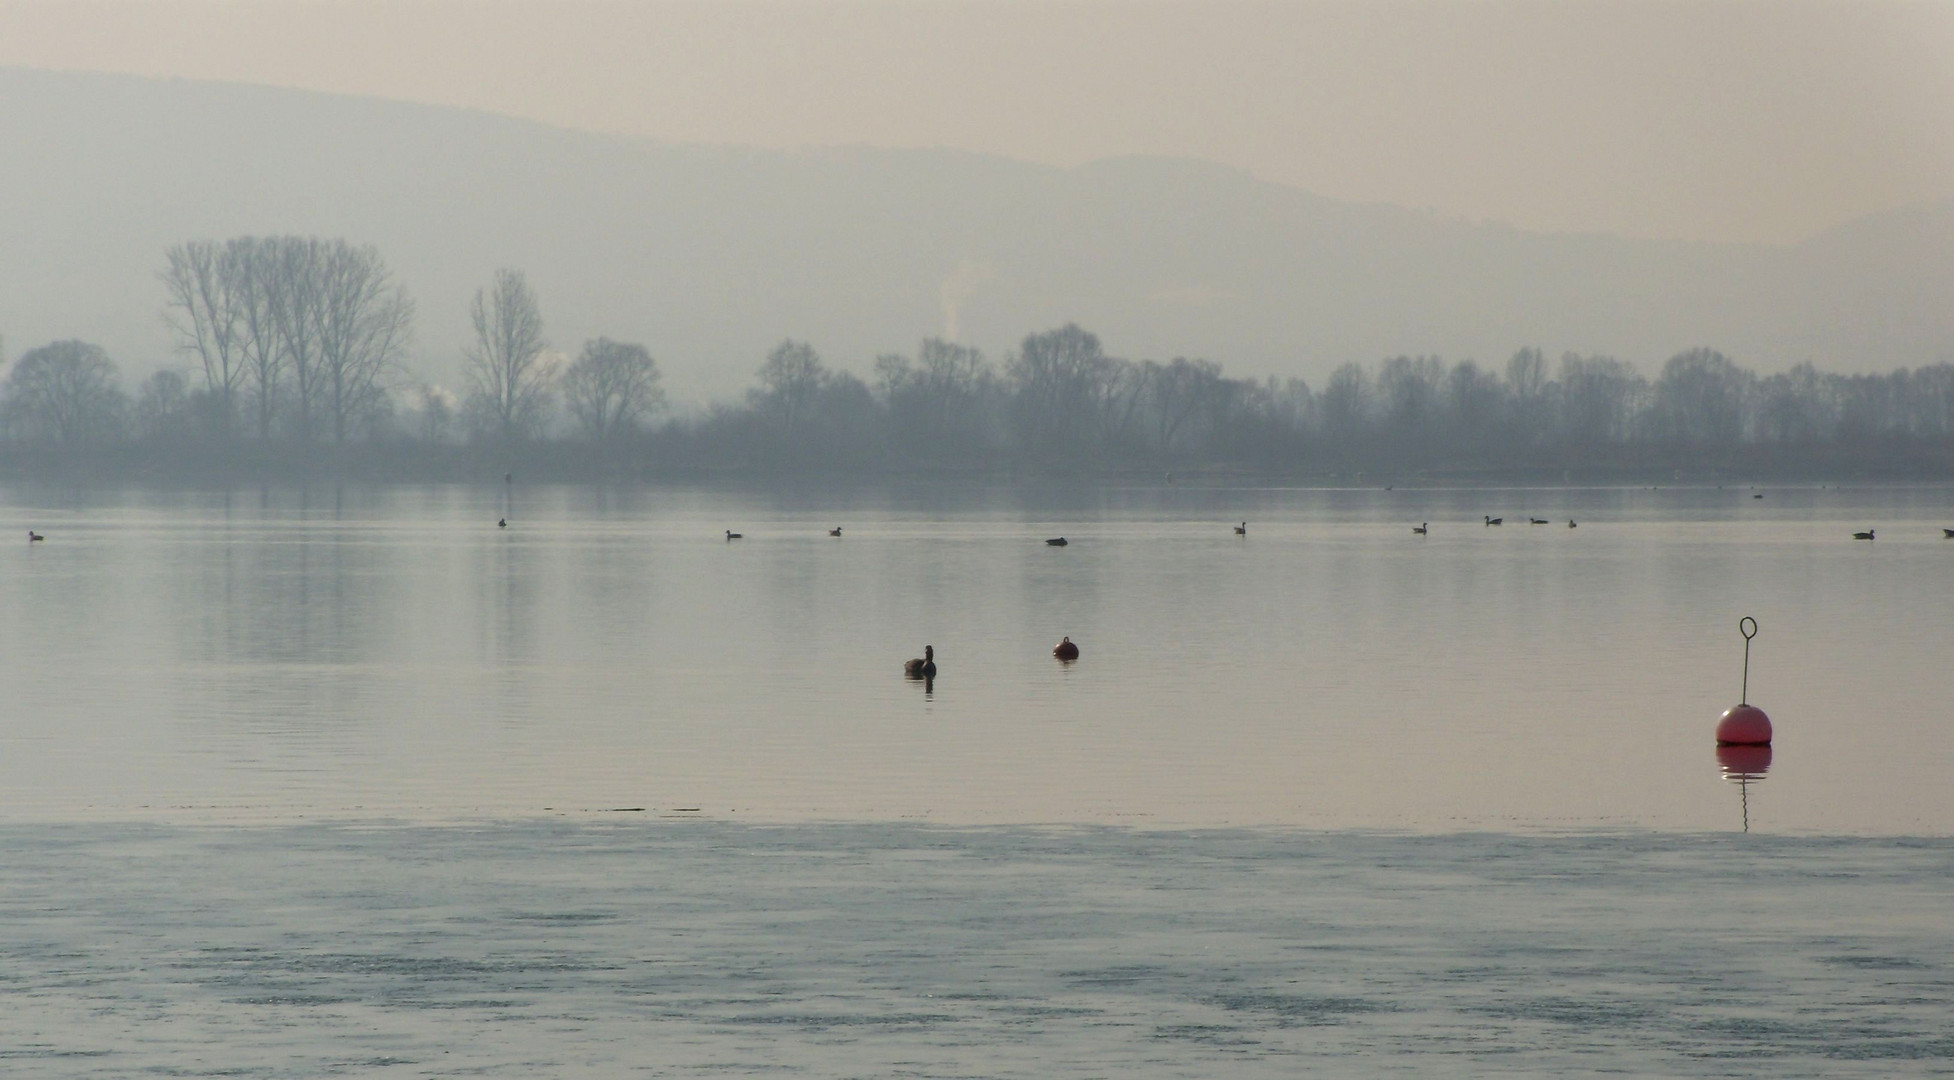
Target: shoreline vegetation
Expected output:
[295,348]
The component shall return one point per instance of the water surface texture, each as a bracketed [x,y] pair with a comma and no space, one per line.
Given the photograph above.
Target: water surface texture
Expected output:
[646,947]
[389,652]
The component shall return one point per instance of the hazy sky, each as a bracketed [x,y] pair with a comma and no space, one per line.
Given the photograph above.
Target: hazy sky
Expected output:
[1748,121]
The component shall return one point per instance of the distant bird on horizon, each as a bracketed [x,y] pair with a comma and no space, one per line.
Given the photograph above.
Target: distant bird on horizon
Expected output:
[836,531]
[1571,525]
[731,535]
[1065,650]
[1536,521]
[1867,535]
[924,668]
[34,537]
[1242,529]
[1422,529]
[1759,495]
[1056,541]
[1495,521]
[502,523]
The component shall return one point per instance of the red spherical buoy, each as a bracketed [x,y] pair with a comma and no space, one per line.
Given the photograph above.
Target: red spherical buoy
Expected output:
[1065,650]
[1744,725]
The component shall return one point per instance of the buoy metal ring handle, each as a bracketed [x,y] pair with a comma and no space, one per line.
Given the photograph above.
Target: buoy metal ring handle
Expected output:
[1747,626]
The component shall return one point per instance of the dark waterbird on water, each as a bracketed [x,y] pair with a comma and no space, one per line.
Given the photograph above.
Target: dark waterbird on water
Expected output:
[34,537]
[1056,541]
[1495,521]
[502,523]
[1242,529]
[1536,521]
[1422,529]
[924,667]
[1571,525]
[1867,535]
[731,535]
[836,531]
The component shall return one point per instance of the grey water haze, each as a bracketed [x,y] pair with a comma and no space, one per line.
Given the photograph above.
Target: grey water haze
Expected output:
[390,652]
[303,782]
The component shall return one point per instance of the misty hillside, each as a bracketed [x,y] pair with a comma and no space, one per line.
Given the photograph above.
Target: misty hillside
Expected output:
[711,255]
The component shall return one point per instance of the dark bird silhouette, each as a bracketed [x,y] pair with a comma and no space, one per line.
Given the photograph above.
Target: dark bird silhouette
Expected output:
[1759,495]
[1065,650]
[924,668]
[1242,529]
[1056,541]
[731,535]
[502,523]
[1571,525]
[1495,521]
[1422,529]
[836,531]
[33,537]
[1947,534]
[1536,521]
[1867,535]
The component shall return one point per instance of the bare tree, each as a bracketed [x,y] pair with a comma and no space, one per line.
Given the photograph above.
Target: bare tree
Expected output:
[64,392]
[790,380]
[611,387]
[362,324]
[203,308]
[508,373]
[250,266]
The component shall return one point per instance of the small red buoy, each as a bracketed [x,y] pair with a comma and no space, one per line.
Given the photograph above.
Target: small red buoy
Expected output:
[1065,650]
[1744,724]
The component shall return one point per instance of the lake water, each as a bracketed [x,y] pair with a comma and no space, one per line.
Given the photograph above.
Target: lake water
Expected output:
[349,781]
[391,652]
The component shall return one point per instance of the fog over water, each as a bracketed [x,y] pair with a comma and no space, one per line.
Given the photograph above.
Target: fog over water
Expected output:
[350,780]
[262,654]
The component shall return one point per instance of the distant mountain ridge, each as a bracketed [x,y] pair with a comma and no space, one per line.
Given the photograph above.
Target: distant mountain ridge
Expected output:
[711,255]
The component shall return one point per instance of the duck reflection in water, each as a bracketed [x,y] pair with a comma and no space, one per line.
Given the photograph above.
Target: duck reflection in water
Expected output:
[1744,765]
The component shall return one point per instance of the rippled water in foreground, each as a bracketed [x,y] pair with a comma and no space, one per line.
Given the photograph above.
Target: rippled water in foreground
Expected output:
[662,948]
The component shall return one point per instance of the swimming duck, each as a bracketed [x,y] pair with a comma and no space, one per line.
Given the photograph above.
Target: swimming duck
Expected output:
[836,531]
[731,535]
[33,537]
[924,668]
[1867,535]
[502,523]
[1495,521]
[1056,541]
[1242,529]
[1422,529]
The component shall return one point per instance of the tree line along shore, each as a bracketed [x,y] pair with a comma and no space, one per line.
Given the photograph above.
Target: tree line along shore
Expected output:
[295,366]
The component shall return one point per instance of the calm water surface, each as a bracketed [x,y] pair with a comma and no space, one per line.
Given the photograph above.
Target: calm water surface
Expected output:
[362,651]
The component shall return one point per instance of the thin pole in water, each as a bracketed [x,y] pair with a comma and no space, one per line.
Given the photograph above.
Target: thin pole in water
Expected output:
[1746,626]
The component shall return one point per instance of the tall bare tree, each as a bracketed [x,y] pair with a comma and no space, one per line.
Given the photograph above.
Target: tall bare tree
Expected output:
[362,322]
[203,308]
[611,388]
[508,372]
[250,264]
